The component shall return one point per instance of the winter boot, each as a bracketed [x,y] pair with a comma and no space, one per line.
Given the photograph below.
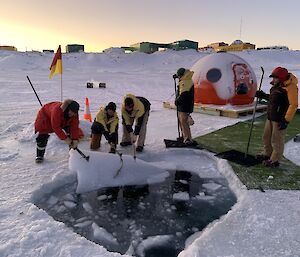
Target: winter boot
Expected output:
[139,149]
[39,155]
[95,141]
[41,143]
[127,143]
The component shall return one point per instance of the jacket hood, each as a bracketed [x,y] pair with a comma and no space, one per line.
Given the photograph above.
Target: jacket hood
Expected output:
[65,104]
[292,80]
[187,75]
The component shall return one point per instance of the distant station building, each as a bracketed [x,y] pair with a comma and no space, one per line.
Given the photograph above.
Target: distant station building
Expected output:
[285,48]
[8,48]
[183,44]
[150,47]
[48,51]
[74,48]
[237,45]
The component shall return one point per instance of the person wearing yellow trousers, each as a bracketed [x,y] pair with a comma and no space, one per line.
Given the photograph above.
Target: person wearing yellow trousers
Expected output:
[185,102]
[135,111]
[282,106]
[106,123]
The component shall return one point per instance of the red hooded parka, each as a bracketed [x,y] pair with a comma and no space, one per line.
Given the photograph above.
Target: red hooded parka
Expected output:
[50,118]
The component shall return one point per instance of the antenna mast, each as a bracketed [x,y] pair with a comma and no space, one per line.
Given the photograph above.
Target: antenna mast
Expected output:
[241,28]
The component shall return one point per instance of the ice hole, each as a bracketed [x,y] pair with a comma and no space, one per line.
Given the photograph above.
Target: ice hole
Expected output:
[142,220]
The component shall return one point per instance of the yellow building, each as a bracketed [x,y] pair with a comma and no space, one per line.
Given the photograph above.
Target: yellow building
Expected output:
[8,48]
[236,45]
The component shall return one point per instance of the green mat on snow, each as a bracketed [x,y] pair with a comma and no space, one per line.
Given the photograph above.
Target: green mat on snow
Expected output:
[286,176]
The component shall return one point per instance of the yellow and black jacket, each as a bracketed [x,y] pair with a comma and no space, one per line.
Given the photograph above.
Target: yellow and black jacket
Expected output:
[107,124]
[185,93]
[140,106]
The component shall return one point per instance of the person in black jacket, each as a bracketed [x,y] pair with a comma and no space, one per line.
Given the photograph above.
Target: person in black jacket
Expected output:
[185,102]
[275,126]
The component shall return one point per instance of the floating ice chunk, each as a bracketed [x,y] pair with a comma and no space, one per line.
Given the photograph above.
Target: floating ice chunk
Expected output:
[211,186]
[100,234]
[181,196]
[69,197]
[101,169]
[102,197]
[83,224]
[52,201]
[70,204]
[87,207]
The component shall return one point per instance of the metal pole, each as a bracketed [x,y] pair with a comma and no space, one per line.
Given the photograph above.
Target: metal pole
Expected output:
[34,91]
[254,111]
[178,127]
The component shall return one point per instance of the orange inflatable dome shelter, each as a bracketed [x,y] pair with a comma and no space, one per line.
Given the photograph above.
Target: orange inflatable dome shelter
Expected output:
[223,78]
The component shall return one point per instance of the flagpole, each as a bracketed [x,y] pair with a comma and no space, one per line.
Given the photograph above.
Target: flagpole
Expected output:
[61,89]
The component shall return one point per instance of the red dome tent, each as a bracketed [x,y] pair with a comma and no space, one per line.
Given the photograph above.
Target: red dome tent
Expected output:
[223,78]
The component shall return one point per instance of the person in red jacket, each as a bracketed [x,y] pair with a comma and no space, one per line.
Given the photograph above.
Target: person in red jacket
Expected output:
[60,118]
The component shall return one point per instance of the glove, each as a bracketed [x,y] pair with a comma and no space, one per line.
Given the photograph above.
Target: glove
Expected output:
[112,138]
[282,124]
[106,135]
[74,144]
[175,76]
[260,94]
[68,141]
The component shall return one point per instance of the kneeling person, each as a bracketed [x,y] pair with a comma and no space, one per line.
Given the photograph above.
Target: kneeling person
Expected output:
[106,123]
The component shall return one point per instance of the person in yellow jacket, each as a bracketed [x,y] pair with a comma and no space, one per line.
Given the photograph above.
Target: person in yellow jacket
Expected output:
[185,102]
[135,110]
[106,123]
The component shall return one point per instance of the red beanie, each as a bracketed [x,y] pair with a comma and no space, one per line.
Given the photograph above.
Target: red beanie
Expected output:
[280,73]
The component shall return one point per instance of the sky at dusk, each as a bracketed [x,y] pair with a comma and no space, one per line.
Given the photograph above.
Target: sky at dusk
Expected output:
[100,24]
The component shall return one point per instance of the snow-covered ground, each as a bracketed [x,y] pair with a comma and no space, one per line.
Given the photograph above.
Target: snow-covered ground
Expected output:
[260,224]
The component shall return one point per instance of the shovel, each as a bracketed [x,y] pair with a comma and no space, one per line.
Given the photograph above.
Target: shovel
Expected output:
[240,157]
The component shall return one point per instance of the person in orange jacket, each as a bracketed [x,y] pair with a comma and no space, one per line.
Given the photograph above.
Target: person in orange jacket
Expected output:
[60,118]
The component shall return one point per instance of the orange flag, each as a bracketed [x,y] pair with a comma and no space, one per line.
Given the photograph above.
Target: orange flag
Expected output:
[56,65]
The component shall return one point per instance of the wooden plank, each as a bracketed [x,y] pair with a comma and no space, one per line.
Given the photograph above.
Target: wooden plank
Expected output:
[225,111]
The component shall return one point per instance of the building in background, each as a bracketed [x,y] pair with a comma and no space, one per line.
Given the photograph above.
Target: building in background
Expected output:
[74,48]
[273,48]
[150,47]
[236,45]
[8,48]
[48,51]
[183,44]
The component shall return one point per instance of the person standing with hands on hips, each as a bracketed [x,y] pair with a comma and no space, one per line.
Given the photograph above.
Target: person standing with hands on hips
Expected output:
[135,109]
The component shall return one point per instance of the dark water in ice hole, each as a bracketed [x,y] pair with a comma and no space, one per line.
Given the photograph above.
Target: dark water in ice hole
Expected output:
[134,213]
